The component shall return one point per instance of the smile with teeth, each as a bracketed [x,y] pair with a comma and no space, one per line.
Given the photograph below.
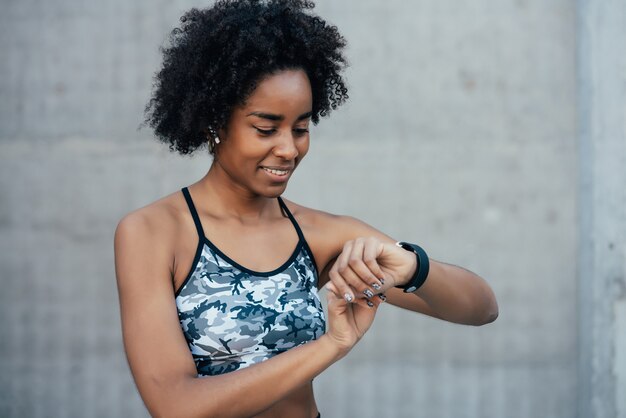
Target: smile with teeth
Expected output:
[276,171]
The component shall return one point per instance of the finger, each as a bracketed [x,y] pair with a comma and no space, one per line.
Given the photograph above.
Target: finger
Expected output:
[333,293]
[342,258]
[377,300]
[373,248]
[372,303]
[361,269]
[346,279]
[336,302]
[351,255]
[343,289]
[362,290]
[363,315]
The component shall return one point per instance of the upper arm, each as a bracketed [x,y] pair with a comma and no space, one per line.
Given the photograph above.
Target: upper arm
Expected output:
[155,346]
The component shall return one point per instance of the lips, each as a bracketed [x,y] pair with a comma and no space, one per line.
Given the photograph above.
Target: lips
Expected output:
[278,171]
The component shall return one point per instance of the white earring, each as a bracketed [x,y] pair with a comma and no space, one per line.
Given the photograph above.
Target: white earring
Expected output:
[217,140]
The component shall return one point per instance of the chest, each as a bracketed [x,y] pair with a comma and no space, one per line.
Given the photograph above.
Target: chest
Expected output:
[235,317]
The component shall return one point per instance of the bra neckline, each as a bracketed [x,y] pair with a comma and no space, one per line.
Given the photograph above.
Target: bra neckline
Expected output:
[255,273]
[203,240]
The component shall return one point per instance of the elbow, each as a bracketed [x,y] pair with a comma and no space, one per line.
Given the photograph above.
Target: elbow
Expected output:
[475,317]
[482,319]
[482,313]
[174,408]
[489,311]
[489,315]
[163,406]
[172,400]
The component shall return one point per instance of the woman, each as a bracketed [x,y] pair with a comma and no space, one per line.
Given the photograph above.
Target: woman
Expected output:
[218,282]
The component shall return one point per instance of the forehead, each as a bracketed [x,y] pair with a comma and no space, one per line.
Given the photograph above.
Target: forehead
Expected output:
[285,89]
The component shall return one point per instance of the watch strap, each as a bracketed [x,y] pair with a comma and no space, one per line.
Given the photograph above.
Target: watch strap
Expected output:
[421,271]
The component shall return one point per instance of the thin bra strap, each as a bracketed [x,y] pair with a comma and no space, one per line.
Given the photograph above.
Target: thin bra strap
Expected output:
[285,209]
[194,213]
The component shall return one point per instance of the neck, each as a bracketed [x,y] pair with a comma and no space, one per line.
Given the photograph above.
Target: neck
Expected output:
[229,199]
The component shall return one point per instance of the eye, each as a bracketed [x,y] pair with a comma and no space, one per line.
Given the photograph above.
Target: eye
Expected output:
[265,132]
[301,131]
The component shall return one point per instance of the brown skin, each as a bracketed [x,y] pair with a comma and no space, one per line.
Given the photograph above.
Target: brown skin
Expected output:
[155,246]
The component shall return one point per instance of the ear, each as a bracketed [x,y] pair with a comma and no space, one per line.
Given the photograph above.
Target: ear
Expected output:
[222,133]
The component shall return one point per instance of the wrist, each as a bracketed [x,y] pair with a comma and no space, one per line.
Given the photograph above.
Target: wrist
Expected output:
[413,264]
[419,268]
[334,347]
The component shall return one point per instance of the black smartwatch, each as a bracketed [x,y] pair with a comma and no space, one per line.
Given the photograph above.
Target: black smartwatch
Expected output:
[421,272]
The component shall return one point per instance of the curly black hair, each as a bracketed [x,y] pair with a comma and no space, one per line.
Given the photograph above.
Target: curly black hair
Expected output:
[219,54]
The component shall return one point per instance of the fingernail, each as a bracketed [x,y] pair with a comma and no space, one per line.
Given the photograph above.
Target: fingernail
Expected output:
[348,297]
[368,293]
[376,286]
[383,297]
[370,304]
[382,280]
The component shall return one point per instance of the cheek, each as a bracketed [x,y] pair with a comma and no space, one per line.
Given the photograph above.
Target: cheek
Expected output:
[241,147]
[303,148]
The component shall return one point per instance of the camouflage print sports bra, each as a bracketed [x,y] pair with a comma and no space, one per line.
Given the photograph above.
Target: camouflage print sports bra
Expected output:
[233,317]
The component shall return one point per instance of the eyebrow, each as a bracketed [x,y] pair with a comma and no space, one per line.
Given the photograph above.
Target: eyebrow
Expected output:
[271,116]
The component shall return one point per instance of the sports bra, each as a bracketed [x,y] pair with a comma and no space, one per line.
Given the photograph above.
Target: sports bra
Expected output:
[233,317]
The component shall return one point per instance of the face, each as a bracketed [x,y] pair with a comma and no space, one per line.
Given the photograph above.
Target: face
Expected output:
[267,137]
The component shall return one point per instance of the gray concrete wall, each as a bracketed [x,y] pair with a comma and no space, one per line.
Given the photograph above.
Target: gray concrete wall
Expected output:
[602,231]
[461,134]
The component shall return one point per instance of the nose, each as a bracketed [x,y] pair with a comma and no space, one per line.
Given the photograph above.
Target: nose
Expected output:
[286,147]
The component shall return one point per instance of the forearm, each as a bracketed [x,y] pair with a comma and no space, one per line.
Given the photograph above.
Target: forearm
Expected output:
[458,295]
[246,392]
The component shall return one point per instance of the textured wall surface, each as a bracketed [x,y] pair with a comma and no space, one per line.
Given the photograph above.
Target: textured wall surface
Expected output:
[602,119]
[460,134]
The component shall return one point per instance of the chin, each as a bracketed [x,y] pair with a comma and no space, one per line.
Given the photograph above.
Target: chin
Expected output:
[274,191]
[268,191]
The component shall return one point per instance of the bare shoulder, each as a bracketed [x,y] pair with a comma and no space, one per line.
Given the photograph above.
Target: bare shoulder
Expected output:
[151,228]
[338,227]
[326,233]
[153,219]
[319,220]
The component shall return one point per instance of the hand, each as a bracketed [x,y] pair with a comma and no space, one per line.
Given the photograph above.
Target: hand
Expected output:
[369,266]
[347,322]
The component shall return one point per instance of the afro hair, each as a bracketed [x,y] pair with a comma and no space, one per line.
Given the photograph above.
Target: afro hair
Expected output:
[217,56]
